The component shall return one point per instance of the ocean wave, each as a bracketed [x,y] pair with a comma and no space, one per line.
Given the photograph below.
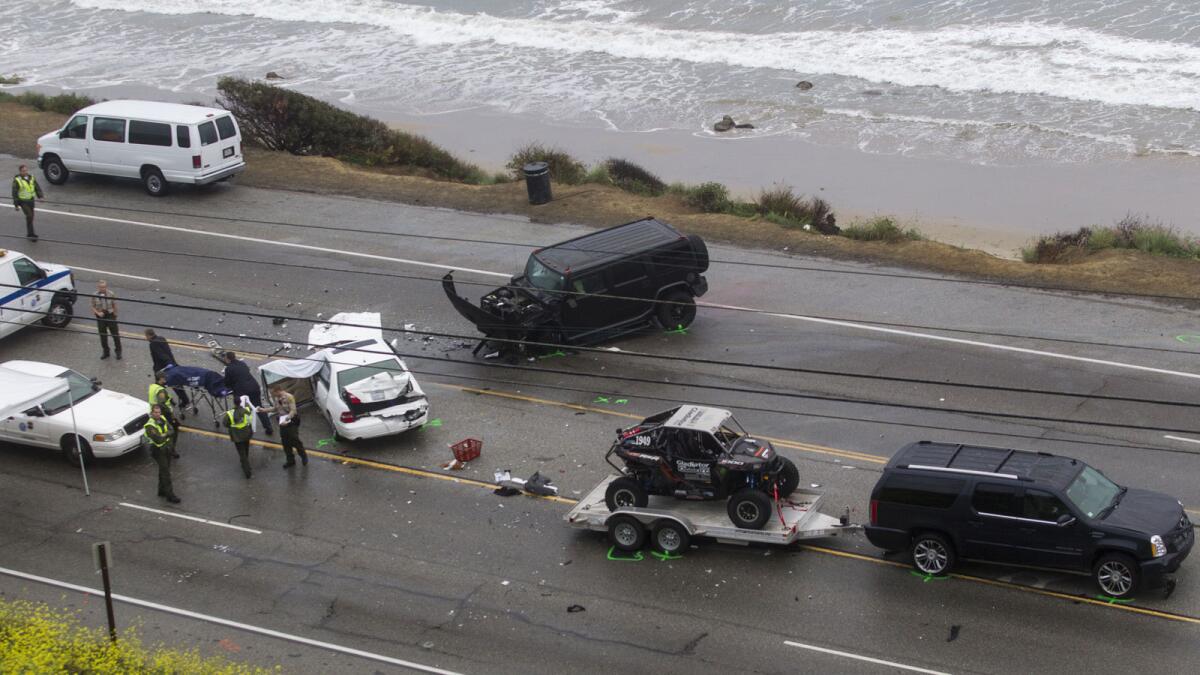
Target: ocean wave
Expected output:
[1019,57]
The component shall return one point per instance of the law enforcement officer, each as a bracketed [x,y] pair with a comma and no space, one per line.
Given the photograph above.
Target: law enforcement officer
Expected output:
[238,378]
[158,433]
[25,189]
[104,306]
[239,420]
[161,356]
[289,426]
[159,397]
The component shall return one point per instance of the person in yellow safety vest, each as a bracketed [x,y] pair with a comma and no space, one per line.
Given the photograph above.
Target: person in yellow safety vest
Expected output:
[158,433]
[239,420]
[25,189]
[159,396]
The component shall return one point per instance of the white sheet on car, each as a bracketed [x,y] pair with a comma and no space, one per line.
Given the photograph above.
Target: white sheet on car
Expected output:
[366,326]
[22,390]
[294,368]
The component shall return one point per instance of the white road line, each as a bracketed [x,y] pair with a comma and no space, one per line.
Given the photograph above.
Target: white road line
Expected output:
[961,341]
[111,274]
[192,518]
[233,624]
[795,317]
[868,659]
[286,244]
[1181,438]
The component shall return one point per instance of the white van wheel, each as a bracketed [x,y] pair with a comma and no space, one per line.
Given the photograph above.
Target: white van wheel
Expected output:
[54,170]
[153,181]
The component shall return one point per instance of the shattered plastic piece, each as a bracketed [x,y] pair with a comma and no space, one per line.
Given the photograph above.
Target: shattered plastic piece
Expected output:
[454,465]
[410,326]
[574,609]
[816,485]
[505,582]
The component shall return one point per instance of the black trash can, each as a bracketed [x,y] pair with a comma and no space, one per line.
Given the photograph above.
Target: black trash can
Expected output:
[537,181]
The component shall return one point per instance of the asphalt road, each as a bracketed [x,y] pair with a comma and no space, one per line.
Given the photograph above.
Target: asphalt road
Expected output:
[373,547]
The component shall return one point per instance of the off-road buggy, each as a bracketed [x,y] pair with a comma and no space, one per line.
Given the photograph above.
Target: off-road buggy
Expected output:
[700,453]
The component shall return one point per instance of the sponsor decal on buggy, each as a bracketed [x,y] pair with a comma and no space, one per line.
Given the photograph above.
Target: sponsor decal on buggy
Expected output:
[691,467]
[643,440]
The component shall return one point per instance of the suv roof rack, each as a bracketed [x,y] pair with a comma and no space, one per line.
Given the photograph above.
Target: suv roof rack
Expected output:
[992,474]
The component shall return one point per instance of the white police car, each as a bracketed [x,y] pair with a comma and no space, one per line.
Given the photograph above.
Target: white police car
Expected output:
[32,291]
[109,423]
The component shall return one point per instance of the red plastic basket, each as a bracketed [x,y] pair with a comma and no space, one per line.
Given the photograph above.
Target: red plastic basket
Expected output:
[467,450]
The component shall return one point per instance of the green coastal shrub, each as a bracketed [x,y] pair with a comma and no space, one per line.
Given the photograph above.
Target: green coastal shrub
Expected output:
[63,104]
[707,197]
[1131,232]
[37,639]
[11,80]
[633,178]
[881,228]
[780,205]
[286,120]
[564,168]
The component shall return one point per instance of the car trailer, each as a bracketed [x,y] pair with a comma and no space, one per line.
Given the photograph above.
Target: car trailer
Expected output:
[670,524]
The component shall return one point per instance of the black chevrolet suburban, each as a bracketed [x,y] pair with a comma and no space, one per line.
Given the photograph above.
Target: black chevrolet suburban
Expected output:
[594,288]
[944,502]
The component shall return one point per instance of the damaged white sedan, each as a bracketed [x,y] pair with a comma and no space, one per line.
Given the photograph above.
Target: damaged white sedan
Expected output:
[355,378]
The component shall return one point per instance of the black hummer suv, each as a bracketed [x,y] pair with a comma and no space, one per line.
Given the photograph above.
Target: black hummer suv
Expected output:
[944,502]
[594,288]
[696,452]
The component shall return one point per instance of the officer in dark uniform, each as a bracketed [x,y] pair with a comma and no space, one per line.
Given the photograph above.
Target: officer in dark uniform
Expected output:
[161,356]
[239,379]
[158,433]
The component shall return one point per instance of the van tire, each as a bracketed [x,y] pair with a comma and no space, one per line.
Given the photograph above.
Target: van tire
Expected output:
[54,170]
[153,181]
[67,444]
[60,314]
[676,310]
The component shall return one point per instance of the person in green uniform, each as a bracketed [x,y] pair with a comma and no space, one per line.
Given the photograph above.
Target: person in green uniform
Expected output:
[158,395]
[239,421]
[25,190]
[158,433]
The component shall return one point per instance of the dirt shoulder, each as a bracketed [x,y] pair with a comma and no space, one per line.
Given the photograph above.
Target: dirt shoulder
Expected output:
[1114,271]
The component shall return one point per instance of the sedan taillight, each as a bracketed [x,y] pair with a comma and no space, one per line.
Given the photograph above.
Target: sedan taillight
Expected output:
[348,417]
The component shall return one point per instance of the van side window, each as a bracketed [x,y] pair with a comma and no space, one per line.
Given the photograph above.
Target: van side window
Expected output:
[108,129]
[225,127]
[937,493]
[27,272]
[183,136]
[77,128]
[208,133]
[1040,505]
[998,500]
[150,133]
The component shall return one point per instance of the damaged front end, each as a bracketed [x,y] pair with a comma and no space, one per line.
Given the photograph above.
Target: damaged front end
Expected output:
[512,318]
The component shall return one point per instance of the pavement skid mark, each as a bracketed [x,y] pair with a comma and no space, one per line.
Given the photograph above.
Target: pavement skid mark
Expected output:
[859,657]
[208,618]
[196,519]
[782,315]
[285,244]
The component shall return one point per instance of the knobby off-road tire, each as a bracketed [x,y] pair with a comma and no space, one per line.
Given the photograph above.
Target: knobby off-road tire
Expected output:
[624,492]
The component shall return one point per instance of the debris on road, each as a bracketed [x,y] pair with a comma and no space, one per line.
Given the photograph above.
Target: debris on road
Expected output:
[574,609]
[537,484]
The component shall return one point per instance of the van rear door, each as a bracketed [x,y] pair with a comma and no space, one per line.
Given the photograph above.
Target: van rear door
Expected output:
[220,144]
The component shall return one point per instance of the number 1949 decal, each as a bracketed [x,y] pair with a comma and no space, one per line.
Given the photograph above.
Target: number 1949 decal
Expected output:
[643,440]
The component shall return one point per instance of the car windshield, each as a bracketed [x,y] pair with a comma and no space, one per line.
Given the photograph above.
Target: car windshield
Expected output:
[80,388]
[542,277]
[358,373]
[1092,491]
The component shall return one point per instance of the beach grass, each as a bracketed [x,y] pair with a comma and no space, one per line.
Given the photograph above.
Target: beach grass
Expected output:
[881,228]
[9,80]
[1131,233]
[64,104]
[632,177]
[564,168]
[35,638]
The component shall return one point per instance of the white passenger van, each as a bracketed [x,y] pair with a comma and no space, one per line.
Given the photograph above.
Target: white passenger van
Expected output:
[158,143]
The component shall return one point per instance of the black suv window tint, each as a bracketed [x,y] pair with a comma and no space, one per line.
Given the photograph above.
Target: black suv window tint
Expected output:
[78,127]
[108,129]
[627,273]
[27,272]
[999,500]
[588,283]
[208,133]
[225,127]
[1040,505]
[149,133]
[938,493]
[183,136]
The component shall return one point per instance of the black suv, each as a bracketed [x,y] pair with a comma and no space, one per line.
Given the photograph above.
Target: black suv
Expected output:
[697,452]
[594,288]
[944,502]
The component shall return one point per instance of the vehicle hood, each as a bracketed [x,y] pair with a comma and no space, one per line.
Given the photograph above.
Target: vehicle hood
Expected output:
[751,450]
[48,137]
[103,412]
[52,269]
[1147,512]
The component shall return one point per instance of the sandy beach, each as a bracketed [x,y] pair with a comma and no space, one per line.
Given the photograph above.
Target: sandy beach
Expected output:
[993,208]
